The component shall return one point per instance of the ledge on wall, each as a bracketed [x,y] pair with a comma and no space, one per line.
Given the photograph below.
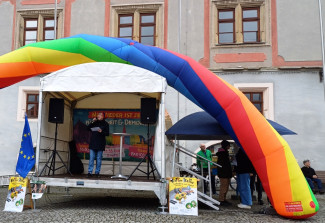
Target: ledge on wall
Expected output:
[236,69]
[290,68]
[233,68]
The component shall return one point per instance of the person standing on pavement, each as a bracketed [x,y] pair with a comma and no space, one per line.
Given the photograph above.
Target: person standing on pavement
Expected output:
[99,130]
[204,164]
[224,172]
[312,177]
[244,170]
[256,184]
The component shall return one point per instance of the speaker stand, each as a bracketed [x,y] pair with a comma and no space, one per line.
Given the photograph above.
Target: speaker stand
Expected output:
[149,162]
[52,158]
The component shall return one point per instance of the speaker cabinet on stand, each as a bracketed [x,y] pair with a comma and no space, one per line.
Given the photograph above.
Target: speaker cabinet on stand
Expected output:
[148,116]
[56,115]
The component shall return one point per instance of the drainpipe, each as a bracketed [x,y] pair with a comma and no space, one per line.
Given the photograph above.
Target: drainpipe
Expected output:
[55,17]
[322,39]
[179,46]
[179,51]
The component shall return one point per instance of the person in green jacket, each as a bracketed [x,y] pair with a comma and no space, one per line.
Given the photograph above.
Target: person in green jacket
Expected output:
[204,164]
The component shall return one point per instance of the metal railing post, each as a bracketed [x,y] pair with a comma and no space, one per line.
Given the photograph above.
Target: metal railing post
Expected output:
[210,186]
[203,181]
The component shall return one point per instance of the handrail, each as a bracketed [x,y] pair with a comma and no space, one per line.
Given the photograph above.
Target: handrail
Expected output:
[193,155]
[191,172]
[196,155]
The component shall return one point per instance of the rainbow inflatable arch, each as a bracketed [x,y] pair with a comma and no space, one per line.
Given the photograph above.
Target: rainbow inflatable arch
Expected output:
[270,154]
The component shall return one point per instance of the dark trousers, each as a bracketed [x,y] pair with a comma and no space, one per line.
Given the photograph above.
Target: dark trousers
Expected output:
[317,181]
[256,185]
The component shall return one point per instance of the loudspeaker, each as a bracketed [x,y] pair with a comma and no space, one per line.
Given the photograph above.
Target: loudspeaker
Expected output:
[56,110]
[148,111]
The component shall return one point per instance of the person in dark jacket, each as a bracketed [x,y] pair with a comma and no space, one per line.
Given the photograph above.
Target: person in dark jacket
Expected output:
[99,130]
[224,172]
[243,170]
[311,177]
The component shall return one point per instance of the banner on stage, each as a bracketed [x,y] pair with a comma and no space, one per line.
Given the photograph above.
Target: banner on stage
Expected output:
[16,194]
[121,121]
[38,189]
[183,196]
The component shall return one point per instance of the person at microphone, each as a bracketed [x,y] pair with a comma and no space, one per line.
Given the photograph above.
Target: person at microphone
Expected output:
[99,130]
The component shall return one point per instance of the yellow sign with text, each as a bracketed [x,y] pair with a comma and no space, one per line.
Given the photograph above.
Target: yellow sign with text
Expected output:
[16,194]
[183,196]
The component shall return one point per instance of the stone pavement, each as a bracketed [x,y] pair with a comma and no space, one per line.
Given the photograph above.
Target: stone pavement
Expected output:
[94,205]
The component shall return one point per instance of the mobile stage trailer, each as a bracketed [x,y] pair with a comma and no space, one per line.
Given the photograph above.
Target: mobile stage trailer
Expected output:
[99,86]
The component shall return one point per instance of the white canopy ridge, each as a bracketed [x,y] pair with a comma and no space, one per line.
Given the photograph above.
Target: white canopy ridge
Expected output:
[104,77]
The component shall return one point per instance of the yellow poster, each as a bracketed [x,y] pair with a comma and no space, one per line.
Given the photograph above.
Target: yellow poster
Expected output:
[183,196]
[16,194]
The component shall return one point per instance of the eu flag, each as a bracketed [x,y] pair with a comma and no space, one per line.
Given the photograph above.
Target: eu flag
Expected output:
[26,159]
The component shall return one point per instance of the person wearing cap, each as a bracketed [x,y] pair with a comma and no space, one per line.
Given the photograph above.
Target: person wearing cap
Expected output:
[201,163]
[311,177]
[99,130]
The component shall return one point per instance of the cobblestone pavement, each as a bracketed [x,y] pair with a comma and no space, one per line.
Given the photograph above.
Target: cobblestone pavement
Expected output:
[94,205]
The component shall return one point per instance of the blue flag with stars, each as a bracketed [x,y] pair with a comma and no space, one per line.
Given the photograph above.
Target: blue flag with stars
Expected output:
[26,159]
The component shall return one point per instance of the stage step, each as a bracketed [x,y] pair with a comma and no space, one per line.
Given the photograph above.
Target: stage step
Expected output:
[208,200]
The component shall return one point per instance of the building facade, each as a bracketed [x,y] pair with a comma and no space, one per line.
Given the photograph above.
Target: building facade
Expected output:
[269,49]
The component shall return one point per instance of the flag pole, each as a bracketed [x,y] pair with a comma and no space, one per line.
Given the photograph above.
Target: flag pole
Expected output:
[26,155]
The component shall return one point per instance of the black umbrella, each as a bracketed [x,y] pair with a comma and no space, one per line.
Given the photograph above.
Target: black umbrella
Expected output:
[202,126]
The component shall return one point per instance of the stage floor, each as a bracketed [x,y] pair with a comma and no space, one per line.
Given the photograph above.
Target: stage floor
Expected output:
[102,177]
[158,186]
[105,182]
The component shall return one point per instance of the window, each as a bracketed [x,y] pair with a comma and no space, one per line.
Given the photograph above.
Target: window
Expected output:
[32,105]
[37,25]
[142,23]
[256,98]
[48,29]
[251,25]
[261,95]
[125,26]
[226,26]
[240,22]
[28,99]
[30,31]
[147,29]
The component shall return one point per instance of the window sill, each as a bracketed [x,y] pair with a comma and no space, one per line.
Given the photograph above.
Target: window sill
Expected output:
[22,119]
[241,44]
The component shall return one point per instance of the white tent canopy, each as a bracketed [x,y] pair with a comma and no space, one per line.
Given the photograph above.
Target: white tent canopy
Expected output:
[104,77]
[84,86]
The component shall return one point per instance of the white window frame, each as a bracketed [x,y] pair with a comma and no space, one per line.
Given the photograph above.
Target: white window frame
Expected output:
[268,96]
[22,100]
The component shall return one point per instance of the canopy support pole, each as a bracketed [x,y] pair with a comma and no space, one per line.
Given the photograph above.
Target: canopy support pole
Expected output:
[174,154]
[39,126]
[162,130]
